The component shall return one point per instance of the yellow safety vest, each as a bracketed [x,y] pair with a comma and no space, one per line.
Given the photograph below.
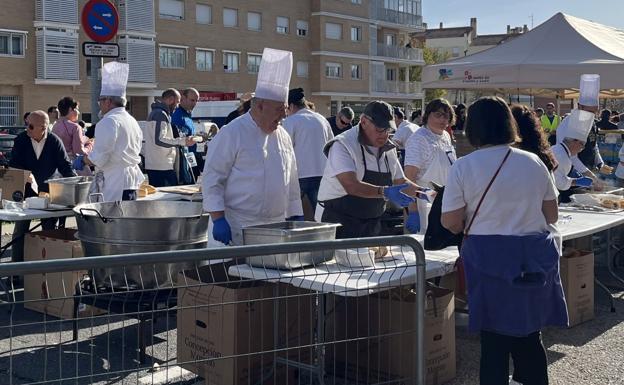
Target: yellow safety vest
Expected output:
[548,126]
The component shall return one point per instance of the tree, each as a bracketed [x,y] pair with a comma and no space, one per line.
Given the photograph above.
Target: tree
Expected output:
[430,56]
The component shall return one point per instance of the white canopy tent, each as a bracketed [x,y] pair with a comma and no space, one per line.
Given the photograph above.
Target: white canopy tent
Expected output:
[552,56]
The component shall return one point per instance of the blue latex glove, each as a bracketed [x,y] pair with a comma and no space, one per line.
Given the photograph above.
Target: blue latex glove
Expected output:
[296,218]
[413,222]
[394,194]
[78,163]
[584,181]
[221,231]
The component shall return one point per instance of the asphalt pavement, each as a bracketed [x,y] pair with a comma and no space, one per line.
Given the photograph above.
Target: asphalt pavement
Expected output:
[39,349]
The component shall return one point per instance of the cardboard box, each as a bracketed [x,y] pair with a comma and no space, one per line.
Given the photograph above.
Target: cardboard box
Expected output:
[577,277]
[228,319]
[54,244]
[384,325]
[12,184]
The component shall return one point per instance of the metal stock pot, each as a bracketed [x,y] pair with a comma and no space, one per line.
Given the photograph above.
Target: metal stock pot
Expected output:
[128,227]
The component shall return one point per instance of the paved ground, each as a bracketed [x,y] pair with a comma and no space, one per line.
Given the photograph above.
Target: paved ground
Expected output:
[590,353]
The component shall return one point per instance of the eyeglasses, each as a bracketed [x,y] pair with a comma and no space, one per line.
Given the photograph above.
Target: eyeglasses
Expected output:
[378,129]
[440,115]
[345,123]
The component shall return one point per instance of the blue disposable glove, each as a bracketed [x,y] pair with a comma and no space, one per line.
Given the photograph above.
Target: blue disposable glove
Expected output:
[78,163]
[413,222]
[221,231]
[296,218]
[584,181]
[394,195]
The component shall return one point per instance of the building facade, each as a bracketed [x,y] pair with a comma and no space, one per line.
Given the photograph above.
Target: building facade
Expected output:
[346,52]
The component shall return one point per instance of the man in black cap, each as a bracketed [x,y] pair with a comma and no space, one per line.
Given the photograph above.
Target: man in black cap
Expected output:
[362,173]
[309,132]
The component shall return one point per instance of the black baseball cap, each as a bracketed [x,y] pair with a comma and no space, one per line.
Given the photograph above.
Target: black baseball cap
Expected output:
[380,113]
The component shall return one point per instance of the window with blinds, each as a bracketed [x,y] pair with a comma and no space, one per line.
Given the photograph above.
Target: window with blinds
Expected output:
[302,28]
[282,25]
[57,54]
[203,14]
[302,69]
[12,43]
[333,31]
[254,21]
[230,17]
[171,9]
[333,70]
[136,15]
[139,52]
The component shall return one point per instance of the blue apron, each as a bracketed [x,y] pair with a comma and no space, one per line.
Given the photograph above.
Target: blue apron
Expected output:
[513,283]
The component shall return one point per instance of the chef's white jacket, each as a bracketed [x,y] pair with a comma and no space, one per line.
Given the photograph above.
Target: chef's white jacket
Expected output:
[251,176]
[116,150]
[562,154]
[309,131]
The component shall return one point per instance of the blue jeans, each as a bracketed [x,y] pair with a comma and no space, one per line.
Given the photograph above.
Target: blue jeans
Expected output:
[310,187]
[162,178]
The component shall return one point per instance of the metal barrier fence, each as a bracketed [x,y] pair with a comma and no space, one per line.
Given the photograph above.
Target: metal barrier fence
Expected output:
[219,319]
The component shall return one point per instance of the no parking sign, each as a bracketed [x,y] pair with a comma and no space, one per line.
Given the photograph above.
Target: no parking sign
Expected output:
[100,20]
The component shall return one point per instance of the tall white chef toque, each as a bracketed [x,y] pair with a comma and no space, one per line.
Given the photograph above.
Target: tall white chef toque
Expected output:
[114,79]
[589,90]
[274,75]
[578,126]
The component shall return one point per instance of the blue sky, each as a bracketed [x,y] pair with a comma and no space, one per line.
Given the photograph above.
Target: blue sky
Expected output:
[494,15]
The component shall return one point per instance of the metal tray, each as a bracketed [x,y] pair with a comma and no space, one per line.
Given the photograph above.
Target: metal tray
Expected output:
[288,231]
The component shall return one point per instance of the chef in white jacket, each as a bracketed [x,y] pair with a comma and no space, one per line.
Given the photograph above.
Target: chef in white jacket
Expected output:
[572,141]
[118,140]
[250,174]
[588,101]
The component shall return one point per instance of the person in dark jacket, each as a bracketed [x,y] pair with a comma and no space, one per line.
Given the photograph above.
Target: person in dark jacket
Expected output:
[42,153]
[342,121]
[605,121]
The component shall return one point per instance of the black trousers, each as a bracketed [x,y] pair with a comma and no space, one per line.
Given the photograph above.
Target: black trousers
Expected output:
[528,355]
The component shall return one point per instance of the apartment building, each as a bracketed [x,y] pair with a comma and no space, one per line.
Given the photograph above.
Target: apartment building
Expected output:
[346,52]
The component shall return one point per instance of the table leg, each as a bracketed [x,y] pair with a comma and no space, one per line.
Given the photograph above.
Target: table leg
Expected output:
[603,287]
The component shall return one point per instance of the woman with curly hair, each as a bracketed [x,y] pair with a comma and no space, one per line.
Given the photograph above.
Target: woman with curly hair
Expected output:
[532,138]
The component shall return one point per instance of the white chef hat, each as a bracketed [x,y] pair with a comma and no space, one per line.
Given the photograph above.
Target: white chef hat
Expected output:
[114,79]
[576,126]
[589,89]
[274,75]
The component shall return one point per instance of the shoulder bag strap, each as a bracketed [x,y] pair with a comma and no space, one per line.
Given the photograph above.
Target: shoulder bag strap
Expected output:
[485,192]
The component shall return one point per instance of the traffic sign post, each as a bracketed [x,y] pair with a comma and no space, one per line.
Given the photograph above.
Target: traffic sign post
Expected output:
[100,22]
[100,49]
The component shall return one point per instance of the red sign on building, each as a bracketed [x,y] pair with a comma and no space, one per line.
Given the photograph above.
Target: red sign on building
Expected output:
[208,96]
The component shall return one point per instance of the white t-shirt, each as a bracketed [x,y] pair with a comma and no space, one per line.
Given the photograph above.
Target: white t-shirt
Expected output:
[340,161]
[309,131]
[513,205]
[420,148]
[404,132]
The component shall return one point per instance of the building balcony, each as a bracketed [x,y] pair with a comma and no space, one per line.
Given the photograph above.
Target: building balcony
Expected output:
[395,87]
[397,52]
[403,12]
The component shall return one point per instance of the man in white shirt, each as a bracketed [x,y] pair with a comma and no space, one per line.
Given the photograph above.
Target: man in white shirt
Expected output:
[362,173]
[405,128]
[118,140]
[250,174]
[309,132]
